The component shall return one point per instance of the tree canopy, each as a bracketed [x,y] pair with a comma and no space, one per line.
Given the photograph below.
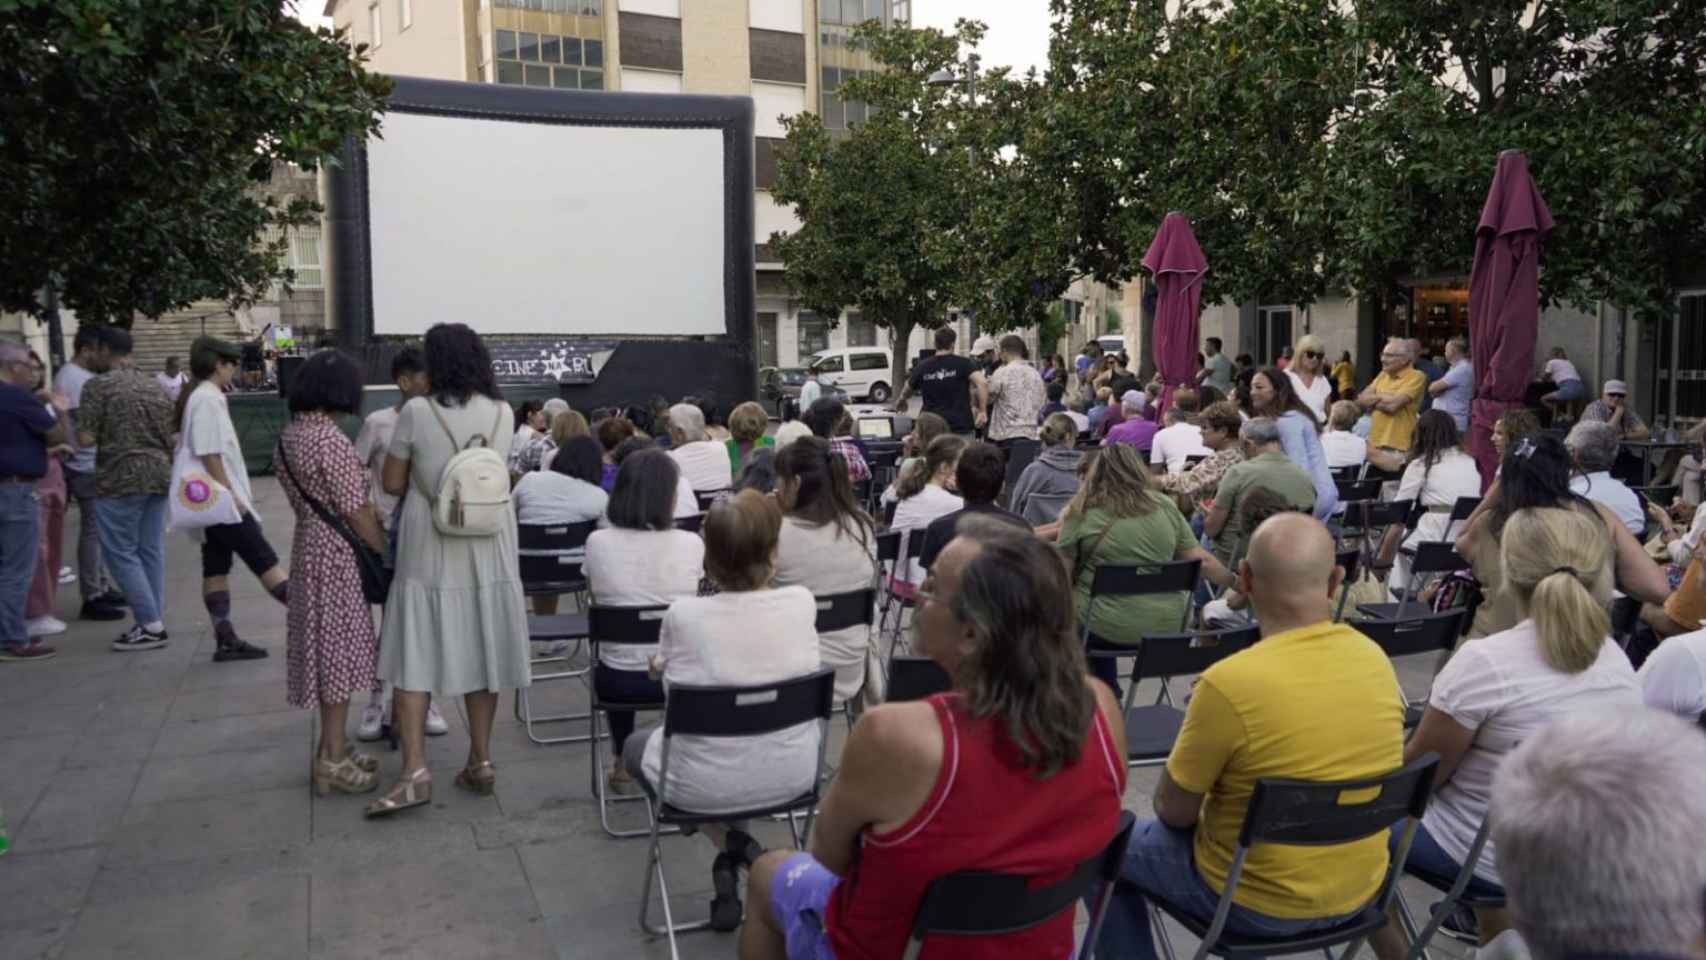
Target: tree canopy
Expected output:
[135,135]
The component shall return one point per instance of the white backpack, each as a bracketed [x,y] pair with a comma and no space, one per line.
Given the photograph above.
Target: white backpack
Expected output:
[473,489]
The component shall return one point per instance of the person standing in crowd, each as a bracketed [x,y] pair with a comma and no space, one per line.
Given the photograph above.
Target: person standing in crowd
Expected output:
[1265,465]
[824,419]
[1454,392]
[1308,376]
[704,462]
[1016,395]
[1344,376]
[31,420]
[456,621]
[212,438]
[1394,401]
[1023,724]
[1283,360]
[1271,395]
[1340,442]
[1134,429]
[1180,439]
[1597,822]
[172,379]
[1613,408]
[100,600]
[810,391]
[1440,473]
[1243,725]
[126,416]
[1053,474]
[747,423]
[952,386]
[50,491]
[329,641]
[1567,383]
[1220,424]
[408,372]
[1216,369]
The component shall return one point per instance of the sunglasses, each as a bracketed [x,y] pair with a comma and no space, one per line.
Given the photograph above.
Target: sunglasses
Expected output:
[1617,395]
[1313,354]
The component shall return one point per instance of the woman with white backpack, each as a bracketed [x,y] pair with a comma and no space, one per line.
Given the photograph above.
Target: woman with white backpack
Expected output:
[456,621]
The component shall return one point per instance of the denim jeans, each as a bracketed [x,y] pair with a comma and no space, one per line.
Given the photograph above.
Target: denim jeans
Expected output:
[1159,861]
[133,532]
[92,577]
[20,530]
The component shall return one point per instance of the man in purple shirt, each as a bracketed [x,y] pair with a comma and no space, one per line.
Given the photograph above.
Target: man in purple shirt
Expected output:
[1134,429]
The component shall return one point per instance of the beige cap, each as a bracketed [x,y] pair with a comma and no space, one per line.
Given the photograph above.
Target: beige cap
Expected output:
[982,346]
[1616,386]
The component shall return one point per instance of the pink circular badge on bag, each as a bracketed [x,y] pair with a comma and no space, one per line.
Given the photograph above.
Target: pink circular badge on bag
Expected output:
[197,492]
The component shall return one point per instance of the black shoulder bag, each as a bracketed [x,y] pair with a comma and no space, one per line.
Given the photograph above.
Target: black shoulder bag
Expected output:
[370,563]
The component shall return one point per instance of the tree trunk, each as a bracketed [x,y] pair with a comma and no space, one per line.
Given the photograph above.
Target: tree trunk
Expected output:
[900,343]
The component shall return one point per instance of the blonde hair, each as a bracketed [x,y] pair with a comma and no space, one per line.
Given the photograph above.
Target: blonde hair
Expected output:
[1118,482]
[1058,430]
[1312,343]
[1557,564]
[1343,415]
[567,425]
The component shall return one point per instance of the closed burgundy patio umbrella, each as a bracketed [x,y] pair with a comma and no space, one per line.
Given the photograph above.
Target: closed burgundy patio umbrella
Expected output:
[1504,300]
[1177,263]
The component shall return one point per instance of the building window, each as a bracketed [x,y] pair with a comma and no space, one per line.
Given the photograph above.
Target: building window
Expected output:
[305,258]
[405,14]
[767,340]
[814,334]
[860,332]
[585,8]
[901,12]
[506,45]
[839,114]
[582,61]
[851,12]
[375,23]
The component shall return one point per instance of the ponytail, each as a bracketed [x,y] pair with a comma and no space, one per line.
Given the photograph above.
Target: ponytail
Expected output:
[1557,563]
[943,451]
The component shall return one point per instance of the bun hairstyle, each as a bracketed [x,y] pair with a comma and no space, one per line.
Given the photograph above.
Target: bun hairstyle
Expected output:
[1058,430]
[1557,563]
[944,451]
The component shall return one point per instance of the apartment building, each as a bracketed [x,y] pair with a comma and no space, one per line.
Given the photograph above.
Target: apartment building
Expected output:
[789,56]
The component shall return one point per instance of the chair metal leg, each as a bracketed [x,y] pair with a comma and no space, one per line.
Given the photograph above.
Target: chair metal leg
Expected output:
[1159,927]
[654,869]
[524,713]
[601,791]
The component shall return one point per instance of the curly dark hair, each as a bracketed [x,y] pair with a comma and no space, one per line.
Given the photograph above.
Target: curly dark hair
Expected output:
[458,364]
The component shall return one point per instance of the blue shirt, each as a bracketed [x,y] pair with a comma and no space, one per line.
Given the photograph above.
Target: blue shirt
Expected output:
[1459,394]
[1302,445]
[24,421]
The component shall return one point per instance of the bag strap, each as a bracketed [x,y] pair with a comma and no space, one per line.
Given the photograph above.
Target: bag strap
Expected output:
[339,525]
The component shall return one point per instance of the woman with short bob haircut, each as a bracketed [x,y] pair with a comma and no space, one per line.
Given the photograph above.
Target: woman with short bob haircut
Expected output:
[747,424]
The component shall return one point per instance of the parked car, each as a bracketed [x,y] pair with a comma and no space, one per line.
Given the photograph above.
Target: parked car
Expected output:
[779,390]
[861,371]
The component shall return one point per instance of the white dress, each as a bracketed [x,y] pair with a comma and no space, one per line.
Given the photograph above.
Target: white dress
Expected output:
[1455,475]
[1315,395]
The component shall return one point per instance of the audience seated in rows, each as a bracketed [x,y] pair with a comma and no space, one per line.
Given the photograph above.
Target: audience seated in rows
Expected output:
[1134,429]
[611,431]
[1593,446]
[1054,473]
[704,462]
[978,475]
[747,425]
[1179,438]
[829,546]
[1501,690]
[1019,769]
[1440,472]
[1220,423]
[829,422]
[926,494]
[1340,443]
[1098,411]
[747,633]
[566,492]
[1265,465]
[1314,700]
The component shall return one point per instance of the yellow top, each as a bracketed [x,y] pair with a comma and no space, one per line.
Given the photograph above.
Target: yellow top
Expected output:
[1316,703]
[1395,429]
[1345,376]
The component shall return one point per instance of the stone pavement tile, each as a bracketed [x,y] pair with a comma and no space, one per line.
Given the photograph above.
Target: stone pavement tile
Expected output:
[42,894]
[225,774]
[30,720]
[79,808]
[262,917]
[455,905]
[107,748]
[266,819]
[556,779]
[118,713]
[592,874]
[338,818]
[578,935]
[233,701]
[194,738]
[202,673]
[30,762]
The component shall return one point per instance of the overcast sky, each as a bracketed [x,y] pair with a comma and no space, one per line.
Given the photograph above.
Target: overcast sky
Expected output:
[1018,29]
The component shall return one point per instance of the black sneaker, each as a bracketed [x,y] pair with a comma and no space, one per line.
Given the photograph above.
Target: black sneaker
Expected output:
[233,647]
[113,598]
[136,638]
[99,609]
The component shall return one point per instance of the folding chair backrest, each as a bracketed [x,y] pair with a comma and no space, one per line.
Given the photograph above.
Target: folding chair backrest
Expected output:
[692,523]
[1659,496]
[1180,654]
[706,498]
[974,904]
[1306,813]
[914,678]
[553,537]
[633,625]
[1378,514]
[748,711]
[1350,560]
[839,611]
[1436,556]
[888,512]
[1358,491]
[1464,506]
[881,456]
[544,564]
[1353,472]
[1130,580]
[1403,638]
[1192,459]
[888,546]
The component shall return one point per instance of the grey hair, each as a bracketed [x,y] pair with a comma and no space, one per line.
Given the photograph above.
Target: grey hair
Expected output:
[1460,344]
[1260,431]
[1593,444]
[1176,415]
[1406,343]
[689,419]
[1134,401]
[554,406]
[1596,820]
[11,351]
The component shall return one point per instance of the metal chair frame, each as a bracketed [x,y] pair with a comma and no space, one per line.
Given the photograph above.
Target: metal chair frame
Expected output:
[1431,556]
[1454,895]
[1140,580]
[548,570]
[634,625]
[1162,657]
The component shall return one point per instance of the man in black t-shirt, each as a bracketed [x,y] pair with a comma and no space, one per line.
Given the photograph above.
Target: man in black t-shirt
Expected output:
[948,384]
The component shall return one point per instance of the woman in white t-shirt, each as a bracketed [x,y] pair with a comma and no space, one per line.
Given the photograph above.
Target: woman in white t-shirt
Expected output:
[639,560]
[1565,379]
[1439,473]
[1340,442]
[1497,691]
[924,496]
[1308,375]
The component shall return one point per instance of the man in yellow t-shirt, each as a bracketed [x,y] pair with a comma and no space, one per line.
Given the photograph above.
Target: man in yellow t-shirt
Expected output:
[1314,700]
[1394,402]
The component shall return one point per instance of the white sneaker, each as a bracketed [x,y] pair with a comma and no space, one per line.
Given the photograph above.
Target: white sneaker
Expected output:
[548,649]
[372,719]
[435,725]
[44,627]
[67,575]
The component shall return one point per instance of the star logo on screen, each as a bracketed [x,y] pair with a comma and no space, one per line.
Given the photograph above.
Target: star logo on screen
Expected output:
[556,364]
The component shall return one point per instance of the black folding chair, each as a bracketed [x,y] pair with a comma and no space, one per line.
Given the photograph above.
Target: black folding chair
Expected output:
[1455,887]
[693,523]
[1139,580]
[884,461]
[914,678]
[1660,496]
[1357,491]
[1192,459]
[974,904]
[550,565]
[1351,561]
[1366,523]
[1151,730]
[708,497]
[897,601]
[1431,557]
[729,712]
[842,611]
[1353,472]
[1625,617]
[1304,813]
[638,626]
[1432,633]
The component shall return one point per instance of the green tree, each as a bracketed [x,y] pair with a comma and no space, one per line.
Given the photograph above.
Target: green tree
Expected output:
[135,136]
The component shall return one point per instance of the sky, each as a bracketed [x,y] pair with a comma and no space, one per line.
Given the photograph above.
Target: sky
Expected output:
[1017,38]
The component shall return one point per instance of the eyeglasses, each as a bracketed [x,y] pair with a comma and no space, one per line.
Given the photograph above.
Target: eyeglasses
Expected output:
[1313,354]
[1617,395]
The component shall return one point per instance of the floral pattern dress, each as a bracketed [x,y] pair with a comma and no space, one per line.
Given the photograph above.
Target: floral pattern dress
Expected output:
[331,647]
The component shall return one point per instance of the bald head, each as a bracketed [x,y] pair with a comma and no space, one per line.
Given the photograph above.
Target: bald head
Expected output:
[1290,572]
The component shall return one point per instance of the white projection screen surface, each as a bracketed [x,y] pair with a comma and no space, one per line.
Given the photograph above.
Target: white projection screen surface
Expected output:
[546,228]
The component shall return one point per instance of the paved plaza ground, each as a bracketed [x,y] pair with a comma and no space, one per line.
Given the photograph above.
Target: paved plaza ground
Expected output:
[159,808]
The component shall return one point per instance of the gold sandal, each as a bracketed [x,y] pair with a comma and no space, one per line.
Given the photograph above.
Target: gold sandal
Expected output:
[480,778]
[343,776]
[414,790]
[365,761]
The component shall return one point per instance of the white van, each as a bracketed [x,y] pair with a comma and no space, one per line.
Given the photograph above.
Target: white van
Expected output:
[861,371]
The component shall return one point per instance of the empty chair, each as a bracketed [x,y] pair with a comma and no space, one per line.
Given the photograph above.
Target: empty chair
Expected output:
[551,558]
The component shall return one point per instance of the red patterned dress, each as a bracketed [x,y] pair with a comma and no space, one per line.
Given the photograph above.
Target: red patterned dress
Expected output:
[332,648]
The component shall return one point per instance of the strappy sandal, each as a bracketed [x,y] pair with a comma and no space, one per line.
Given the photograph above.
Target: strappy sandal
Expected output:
[480,778]
[365,761]
[342,776]
[414,790]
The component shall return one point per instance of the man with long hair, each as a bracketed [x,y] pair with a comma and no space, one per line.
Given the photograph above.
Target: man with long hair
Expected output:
[913,799]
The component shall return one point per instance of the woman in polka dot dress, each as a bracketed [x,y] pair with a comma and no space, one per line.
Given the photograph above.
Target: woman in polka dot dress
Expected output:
[332,648]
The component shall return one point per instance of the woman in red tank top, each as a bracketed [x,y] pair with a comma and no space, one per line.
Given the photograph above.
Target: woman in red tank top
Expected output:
[1018,770]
